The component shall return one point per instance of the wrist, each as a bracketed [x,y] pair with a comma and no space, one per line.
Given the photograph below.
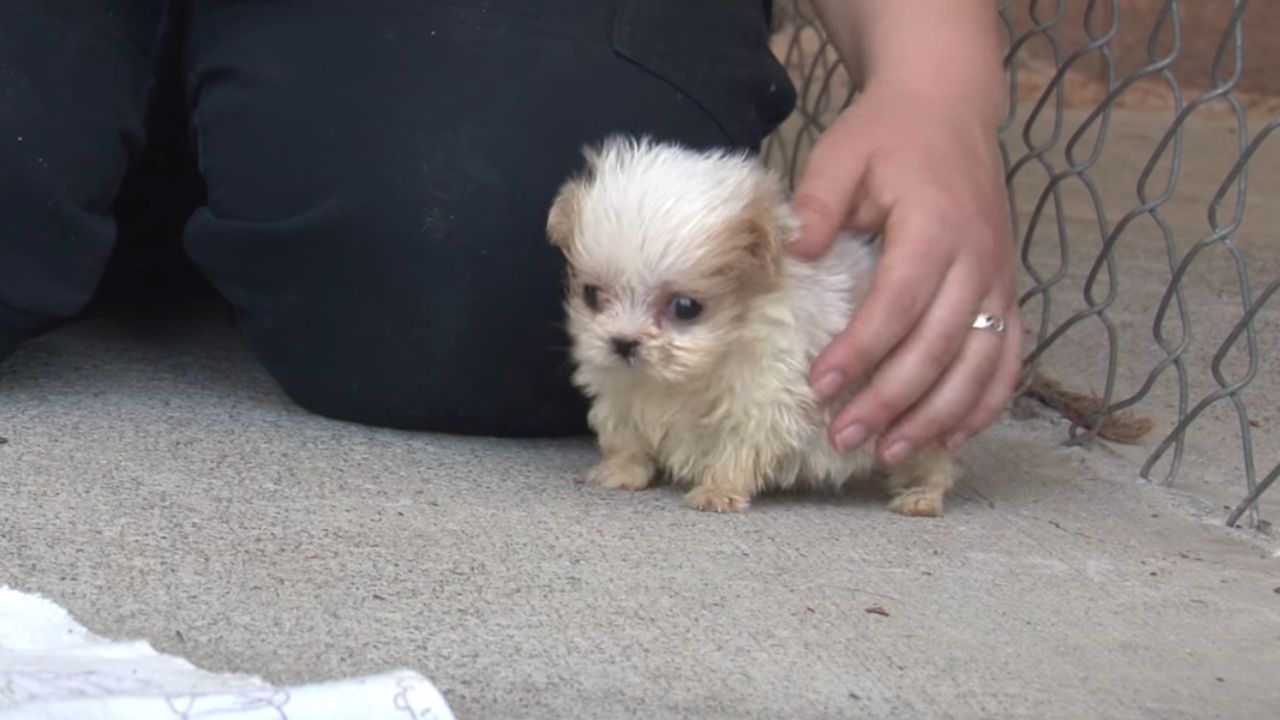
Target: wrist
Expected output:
[954,97]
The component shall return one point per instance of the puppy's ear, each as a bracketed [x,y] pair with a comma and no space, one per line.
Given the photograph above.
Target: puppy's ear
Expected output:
[563,217]
[768,226]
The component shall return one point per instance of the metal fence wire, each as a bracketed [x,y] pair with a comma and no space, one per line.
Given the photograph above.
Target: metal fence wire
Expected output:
[1107,116]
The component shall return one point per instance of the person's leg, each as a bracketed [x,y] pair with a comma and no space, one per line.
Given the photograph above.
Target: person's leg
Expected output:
[74,81]
[379,174]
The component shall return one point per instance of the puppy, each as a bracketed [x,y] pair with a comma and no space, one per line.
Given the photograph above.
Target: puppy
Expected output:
[692,333]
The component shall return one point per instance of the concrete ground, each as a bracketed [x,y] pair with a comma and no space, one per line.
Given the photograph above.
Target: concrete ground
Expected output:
[157,484]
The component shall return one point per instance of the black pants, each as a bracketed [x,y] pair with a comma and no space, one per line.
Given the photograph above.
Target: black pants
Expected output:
[365,181]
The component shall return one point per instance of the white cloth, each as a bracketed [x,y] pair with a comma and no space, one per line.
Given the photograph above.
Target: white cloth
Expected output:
[52,668]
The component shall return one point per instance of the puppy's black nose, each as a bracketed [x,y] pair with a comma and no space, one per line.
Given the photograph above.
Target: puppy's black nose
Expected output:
[625,347]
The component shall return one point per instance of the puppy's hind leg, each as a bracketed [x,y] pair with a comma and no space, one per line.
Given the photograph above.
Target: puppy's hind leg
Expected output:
[919,486]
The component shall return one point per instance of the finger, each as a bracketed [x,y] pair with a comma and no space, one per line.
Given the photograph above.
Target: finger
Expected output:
[997,395]
[824,197]
[913,367]
[948,403]
[904,286]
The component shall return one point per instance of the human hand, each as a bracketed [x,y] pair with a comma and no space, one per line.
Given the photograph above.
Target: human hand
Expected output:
[923,167]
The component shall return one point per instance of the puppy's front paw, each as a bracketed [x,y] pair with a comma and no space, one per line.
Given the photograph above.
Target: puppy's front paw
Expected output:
[918,502]
[713,499]
[616,474]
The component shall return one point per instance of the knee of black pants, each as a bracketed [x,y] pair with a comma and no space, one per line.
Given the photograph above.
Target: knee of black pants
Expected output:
[377,216]
[73,85]
[361,311]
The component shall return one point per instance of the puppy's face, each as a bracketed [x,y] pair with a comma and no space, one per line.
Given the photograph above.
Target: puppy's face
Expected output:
[665,249]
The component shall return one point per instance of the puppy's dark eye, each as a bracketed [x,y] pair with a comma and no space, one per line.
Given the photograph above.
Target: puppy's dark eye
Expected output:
[591,296]
[685,308]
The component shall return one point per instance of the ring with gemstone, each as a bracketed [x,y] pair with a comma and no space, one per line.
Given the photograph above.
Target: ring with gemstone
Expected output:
[987,321]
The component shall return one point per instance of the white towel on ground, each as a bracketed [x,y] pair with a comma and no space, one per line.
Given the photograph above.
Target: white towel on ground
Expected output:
[52,668]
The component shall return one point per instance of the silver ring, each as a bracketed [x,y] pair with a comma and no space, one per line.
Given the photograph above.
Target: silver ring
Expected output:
[987,321]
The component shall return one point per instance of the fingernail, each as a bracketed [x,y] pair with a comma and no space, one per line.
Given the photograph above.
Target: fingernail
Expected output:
[897,452]
[851,437]
[828,385]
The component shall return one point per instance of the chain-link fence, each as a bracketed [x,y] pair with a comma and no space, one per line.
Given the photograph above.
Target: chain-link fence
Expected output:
[1145,199]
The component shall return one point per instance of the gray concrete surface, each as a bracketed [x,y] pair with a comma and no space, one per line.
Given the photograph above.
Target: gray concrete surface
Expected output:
[157,484]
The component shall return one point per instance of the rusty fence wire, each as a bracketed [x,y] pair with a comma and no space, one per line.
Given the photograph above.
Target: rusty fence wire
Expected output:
[1148,240]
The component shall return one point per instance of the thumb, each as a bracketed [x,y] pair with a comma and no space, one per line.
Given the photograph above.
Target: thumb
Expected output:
[824,198]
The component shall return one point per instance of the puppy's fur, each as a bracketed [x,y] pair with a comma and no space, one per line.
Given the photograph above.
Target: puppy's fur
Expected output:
[655,233]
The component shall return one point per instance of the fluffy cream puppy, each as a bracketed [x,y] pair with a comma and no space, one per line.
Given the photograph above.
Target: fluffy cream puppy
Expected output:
[693,333]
